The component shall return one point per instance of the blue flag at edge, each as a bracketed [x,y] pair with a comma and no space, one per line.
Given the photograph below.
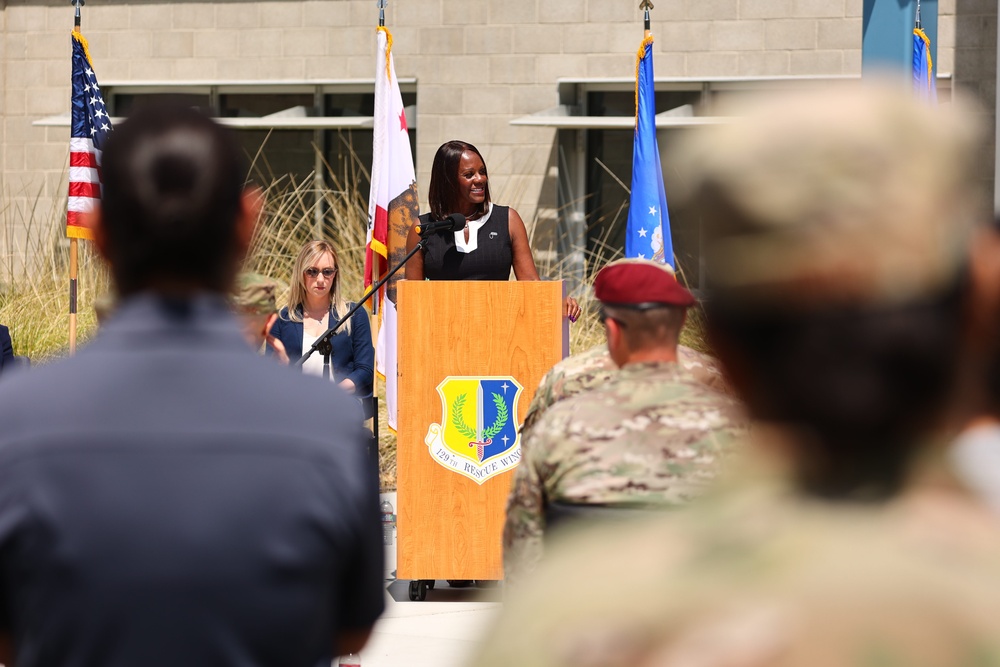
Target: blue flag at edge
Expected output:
[647,233]
[923,69]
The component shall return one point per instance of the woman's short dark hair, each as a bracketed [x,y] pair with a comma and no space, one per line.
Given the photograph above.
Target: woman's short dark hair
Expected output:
[443,189]
[173,184]
[859,386]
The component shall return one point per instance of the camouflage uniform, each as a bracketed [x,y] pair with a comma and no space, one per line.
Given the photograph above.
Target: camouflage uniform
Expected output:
[648,434]
[852,199]
[752,577]
[592,368]
[255,294]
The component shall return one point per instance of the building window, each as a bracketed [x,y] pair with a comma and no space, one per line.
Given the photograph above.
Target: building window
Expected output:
[291,132]
[609,174]
[595,122]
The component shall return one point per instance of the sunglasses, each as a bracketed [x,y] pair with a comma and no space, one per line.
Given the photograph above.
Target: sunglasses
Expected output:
[603,316]
[313,272]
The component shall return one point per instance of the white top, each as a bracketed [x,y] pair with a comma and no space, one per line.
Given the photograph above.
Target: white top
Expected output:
[314,364]
[474,227]
[975,456]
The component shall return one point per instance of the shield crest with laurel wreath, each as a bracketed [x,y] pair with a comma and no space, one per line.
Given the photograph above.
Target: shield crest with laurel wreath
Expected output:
[478,434]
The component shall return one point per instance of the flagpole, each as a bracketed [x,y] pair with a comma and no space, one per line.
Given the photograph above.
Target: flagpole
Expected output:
[375,272]
[73,243]
[375,265]
[646,5]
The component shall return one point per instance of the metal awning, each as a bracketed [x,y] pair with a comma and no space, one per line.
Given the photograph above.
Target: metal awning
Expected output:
[570,117]
[294,118]
[566,117]
[265,123]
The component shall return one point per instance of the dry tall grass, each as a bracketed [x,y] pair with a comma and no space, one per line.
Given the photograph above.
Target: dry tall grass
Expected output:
[34,276]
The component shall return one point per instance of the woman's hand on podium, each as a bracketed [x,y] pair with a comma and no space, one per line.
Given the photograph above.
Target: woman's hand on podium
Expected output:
[571,309]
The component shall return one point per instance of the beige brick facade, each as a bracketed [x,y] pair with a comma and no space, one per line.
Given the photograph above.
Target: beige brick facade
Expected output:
[478,63]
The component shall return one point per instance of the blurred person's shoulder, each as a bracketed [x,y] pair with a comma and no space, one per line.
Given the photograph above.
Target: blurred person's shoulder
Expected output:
[647,401]
[757,573]
[656,388]
[580,372]
[574,374]
[146,372]
[704,368]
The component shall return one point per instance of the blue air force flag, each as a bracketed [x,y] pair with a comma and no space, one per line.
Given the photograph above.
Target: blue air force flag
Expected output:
[647,233]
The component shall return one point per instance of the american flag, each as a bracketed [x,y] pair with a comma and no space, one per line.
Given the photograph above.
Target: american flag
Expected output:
[90,127]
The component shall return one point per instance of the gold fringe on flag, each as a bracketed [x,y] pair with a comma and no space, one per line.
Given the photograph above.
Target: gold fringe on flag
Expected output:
[927,49]
[638,58]
[86,47]
[388,49]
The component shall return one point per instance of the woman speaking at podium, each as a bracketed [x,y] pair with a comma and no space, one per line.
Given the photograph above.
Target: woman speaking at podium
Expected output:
[494,239]
[314,305]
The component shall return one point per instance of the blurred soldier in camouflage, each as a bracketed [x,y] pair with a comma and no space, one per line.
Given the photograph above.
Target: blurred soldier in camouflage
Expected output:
[255,301]
[648,434]
[836,237]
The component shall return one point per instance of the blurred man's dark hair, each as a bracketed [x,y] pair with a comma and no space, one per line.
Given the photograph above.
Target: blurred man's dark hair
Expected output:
[859,384]
[173,187]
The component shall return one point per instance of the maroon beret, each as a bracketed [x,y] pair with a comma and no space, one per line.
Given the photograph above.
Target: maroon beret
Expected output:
[638,282]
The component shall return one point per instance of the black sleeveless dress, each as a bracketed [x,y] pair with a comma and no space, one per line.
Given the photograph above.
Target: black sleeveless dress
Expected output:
[491,260]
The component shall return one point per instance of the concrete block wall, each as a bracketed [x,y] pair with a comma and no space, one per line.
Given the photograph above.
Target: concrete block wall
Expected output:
[478,63]
[968,34]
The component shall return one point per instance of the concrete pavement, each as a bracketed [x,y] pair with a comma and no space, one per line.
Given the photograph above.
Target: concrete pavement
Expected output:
[438,632]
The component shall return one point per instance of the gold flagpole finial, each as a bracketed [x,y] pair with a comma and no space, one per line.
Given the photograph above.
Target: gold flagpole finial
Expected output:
[76,18]
[645,6]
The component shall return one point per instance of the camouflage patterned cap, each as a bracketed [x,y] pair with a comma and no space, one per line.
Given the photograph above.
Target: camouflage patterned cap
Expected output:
[105,305]
[858,194]
[255,294]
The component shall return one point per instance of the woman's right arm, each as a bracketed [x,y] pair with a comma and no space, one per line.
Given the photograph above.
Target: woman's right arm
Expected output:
[274,337]
[415,266]
[273,345]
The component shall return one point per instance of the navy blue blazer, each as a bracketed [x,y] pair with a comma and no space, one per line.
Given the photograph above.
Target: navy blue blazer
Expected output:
[353,354]
[6,349]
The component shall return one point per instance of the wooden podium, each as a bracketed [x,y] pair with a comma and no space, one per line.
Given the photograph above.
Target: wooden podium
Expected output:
[461,343]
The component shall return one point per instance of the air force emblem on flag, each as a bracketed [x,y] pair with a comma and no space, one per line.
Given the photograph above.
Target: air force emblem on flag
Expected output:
[477,436]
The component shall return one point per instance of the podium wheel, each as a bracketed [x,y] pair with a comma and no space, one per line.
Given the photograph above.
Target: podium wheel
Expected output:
[418,591]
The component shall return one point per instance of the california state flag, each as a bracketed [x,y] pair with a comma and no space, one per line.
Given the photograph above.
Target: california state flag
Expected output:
[392,208]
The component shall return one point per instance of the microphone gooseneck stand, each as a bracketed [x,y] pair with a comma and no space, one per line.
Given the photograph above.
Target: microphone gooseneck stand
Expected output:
[323,345]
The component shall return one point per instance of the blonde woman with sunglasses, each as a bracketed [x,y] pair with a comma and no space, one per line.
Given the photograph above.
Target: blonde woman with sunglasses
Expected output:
[314,305]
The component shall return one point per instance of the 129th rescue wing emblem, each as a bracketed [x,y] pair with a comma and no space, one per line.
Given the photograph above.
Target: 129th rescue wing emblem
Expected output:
[477,436]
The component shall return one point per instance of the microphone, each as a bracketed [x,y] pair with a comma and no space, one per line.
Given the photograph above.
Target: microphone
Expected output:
[453,223]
